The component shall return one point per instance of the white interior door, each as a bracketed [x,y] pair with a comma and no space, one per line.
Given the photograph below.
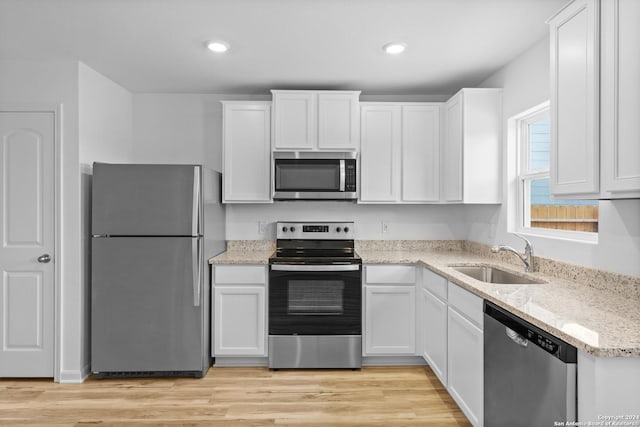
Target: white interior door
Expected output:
[27,244]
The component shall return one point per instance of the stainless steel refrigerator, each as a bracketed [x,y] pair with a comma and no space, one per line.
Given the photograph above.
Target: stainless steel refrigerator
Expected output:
[153,229]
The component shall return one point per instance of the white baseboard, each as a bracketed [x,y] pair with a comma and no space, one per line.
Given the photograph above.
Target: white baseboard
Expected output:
[393,361]
[74,376]
[241,361]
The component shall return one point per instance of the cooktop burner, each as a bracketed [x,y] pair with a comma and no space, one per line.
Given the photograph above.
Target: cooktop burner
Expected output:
[315,243]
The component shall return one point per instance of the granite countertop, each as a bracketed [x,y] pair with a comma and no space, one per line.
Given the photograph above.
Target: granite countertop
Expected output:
[596,321]
[593,311]
[246,252]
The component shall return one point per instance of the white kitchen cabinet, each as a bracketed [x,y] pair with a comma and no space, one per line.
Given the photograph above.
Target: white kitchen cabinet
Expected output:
[400,151]
[421,153]
[316,120]
[246,150]
[608,386]
[575,100]
[471,162]
[433,323]
[379,153]
[239,317]
[389,312]
[465,357]
[620,99]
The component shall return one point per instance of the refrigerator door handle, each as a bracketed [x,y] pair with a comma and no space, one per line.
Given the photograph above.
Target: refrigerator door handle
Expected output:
[195,253]
[195,220]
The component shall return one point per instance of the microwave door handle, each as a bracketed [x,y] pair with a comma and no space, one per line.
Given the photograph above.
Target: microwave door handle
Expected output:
[342,175]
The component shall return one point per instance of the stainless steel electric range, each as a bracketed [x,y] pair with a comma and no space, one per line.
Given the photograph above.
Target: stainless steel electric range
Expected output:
[315,297]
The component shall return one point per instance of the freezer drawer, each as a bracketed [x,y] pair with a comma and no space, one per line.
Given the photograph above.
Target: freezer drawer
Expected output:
[147,305]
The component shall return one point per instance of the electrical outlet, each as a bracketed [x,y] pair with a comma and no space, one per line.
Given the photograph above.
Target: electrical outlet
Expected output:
[385,226]
[262,227]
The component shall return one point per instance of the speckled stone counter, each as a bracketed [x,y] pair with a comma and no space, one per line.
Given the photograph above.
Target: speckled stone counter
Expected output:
[246,252]
[601,322]
[596,311]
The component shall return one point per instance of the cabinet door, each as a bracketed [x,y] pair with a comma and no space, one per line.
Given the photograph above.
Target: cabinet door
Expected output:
[338,121]
[434,333]
[380,160]
[482,136]
[620,62]
[294,120]
[574,100]
[247,152]
[420,153]
[465,370]
[240,322]
[390,320]
[452,158]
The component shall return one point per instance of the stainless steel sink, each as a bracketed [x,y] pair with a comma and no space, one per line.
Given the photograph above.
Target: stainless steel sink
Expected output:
[495,275]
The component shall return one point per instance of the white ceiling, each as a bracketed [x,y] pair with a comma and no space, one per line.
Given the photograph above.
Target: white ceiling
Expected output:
[158,45]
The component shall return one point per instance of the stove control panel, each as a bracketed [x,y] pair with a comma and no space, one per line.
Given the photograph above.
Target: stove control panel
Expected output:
[334,230]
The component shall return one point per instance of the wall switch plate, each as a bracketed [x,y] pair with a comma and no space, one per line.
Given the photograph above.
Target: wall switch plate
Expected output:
[385,226]
[262,227]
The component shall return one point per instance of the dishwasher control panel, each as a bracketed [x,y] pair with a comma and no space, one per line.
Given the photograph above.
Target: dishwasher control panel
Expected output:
[545,343]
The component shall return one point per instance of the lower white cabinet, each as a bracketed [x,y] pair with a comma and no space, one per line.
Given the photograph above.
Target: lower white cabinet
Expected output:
[239,319]
[434,333]
[465,346]
[389,312]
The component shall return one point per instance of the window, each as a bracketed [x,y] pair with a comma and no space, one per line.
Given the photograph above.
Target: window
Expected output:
[538,211]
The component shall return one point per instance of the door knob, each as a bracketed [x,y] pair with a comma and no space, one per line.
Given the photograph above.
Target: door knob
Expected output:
[44,258]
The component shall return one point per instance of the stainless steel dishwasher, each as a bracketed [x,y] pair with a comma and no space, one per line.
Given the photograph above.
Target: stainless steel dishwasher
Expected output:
[529,375]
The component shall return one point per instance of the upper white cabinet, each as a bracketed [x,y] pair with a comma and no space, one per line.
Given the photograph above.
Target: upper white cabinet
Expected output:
[246,151]
[471,151]
[620,99]
[575,99]
[400,151]
[595,101]
[316,120]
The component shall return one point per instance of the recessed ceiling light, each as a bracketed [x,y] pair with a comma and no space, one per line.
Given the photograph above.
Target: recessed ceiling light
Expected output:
[394,48]
[218,46]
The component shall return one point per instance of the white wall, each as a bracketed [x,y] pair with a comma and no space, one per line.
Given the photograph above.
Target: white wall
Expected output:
[105,134]
[406,222]
[106,115]
[526,83]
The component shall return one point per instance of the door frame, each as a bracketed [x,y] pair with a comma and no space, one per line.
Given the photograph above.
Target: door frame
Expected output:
[57,112]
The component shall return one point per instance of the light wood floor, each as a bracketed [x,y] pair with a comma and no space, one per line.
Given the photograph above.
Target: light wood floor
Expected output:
[373,396]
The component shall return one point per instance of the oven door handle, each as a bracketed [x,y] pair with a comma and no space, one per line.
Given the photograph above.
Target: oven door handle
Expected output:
[345,267]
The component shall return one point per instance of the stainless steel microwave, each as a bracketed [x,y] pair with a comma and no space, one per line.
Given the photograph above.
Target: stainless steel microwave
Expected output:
[300,175]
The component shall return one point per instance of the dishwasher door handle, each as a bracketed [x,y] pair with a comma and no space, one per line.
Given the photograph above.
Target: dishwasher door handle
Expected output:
[516,337]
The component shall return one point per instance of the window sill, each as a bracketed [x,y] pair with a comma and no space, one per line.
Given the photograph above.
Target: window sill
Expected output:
[571,236]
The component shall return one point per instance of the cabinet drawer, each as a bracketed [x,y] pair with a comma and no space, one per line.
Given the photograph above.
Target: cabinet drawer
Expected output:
[435,283]
[387,274]
[239,274]
[466,303]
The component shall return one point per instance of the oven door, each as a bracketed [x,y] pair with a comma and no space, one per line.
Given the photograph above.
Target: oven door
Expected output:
[315,299]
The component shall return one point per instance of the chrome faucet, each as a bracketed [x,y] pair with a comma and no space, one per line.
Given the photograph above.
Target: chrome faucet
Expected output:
[526,257]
